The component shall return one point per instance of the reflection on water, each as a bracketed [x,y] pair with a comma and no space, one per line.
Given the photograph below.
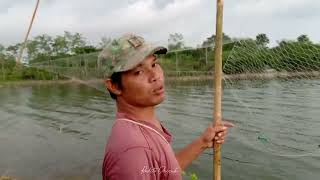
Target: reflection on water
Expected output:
[59,131]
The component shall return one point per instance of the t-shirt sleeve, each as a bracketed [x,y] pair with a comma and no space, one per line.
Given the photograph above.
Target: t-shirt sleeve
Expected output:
[136,163]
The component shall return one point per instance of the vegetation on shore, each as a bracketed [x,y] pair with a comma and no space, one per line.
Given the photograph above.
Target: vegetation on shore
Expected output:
[6,178]
[248,56]
[240,56]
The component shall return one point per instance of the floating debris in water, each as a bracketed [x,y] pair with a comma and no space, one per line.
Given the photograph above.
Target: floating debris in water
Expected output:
[263,138]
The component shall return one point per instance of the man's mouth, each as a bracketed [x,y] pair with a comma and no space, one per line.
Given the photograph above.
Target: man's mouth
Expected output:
[159,90]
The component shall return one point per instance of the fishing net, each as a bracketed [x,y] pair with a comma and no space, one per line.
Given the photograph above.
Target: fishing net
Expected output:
[84,69]
[272,94]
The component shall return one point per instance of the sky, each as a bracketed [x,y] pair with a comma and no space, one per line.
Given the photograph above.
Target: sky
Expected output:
[156,19]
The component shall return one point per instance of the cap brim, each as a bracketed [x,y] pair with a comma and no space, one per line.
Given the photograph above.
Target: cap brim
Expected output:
[159,50]
[139,59]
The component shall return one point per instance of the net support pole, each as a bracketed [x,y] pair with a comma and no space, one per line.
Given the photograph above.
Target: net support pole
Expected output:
[206,55]
[2,69]
[27,35]
[217,87]
[177,61]
[86,67]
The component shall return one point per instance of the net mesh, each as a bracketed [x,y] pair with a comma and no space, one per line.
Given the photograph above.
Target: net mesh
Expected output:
[83,69]
[271,94]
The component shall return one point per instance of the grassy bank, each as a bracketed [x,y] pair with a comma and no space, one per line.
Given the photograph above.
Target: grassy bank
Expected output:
[6,178]
[32,82]
[247,76]
[180,77]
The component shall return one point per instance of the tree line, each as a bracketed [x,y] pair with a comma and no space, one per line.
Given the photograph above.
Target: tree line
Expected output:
[45,47]
[245,55]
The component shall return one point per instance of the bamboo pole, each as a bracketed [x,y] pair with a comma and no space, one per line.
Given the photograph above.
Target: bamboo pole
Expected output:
[86,67]
[177,63]
[206,56]
[27,35]
[217,87]
[2,69]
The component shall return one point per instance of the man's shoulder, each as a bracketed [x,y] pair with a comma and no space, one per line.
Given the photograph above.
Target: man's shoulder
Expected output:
[125,135]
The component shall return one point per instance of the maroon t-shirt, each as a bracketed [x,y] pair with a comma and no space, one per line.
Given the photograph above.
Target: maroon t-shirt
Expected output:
[137,150]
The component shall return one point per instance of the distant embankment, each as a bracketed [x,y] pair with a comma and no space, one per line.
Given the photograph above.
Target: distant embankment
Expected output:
[269,74]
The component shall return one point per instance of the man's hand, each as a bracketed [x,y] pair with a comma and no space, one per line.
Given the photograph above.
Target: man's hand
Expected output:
[216,134]
[210,136]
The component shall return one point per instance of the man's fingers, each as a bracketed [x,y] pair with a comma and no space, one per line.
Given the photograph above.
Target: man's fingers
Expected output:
[224,124]
[227,124]
[219,138]
[220,142]
[222,134]
[219,129]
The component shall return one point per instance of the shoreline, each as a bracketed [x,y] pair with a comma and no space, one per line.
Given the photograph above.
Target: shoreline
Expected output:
[243,76]
[249,76]
[33,82]
[271,75]
[6,178]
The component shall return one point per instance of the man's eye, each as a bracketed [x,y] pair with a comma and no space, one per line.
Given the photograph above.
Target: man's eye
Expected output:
[155,64]
[138,72]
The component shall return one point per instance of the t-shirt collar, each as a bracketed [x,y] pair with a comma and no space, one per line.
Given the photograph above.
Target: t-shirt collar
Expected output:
[164,132]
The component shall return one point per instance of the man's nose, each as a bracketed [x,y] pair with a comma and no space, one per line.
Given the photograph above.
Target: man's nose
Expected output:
[154,76]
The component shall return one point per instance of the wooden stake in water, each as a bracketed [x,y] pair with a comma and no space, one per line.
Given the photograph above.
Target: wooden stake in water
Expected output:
[27,35]
[217,87]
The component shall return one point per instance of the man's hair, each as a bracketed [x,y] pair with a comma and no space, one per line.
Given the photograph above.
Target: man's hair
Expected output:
[116,79]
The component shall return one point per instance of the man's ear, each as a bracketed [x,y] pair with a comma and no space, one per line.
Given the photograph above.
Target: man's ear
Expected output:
[114,88]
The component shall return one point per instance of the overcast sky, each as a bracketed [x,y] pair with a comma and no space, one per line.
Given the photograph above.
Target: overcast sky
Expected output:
[156,19]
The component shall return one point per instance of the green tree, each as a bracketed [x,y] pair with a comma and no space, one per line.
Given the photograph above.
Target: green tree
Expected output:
[175,41]
[303,39]
[13,50]
[44,44]
[2,52]
[210,41]
[60,45]
[32,49]
[284,42]
[104,41]
[74,41]
[40,47]
[262,40]
[2,48]
[85,50]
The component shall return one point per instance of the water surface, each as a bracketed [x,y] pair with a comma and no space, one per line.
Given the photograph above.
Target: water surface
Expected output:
[60,131]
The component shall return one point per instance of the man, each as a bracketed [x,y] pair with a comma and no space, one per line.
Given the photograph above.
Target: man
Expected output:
[139,145]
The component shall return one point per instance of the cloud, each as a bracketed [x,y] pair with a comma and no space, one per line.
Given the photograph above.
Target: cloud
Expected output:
[277,8]
[156,19]
[280,19]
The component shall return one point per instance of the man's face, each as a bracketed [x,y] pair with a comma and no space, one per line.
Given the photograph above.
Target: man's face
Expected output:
[144,85]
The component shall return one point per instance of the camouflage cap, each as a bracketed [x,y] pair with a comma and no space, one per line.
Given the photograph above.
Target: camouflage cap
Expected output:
[126,53]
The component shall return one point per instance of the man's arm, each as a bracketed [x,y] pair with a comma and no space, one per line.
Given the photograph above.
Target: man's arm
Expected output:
[212,134]
[189,153]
